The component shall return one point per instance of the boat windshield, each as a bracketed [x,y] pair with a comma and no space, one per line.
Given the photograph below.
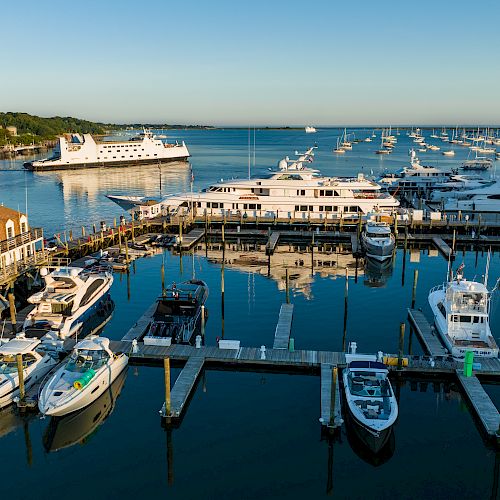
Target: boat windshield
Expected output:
[8,363]
[369,384]
[377,236]
[82,360]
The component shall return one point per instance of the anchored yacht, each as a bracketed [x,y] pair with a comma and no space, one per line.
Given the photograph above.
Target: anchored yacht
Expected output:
[461,314]
[71,296]
[377,240]
[82,151]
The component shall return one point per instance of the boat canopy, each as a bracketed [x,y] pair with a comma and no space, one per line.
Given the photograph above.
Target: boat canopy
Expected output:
[373,365]
[94,344]
[18,346]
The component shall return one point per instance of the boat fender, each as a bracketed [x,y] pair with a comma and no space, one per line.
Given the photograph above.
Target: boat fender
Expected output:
[394,361]
[81,382]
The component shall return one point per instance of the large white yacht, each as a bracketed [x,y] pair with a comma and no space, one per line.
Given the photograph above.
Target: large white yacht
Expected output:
[36,364]
[461,314]
[293,191]
[71,295]
[82,151]
[484,201]
[416,177]
[90,370]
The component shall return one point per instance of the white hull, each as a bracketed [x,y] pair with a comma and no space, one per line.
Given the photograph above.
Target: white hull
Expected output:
[83,397]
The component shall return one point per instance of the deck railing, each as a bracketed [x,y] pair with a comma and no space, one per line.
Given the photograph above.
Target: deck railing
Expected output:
[29,236]
[12,271]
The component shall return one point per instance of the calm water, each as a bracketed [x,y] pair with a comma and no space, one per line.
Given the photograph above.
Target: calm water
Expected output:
[247,435]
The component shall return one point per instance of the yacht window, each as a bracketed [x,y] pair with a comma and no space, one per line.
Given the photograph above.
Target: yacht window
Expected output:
[328,192]
[259,206]
[328,209]
[222,205]
[91,290]
[321,208]
[85,359]
[215,204]
[346,209]
[245,206]
[476,319]
[353,209]
[251,206]
[302,192]
[441,308]
[465,319]
[311,208]
[297,208]
[322,192]
[303,208]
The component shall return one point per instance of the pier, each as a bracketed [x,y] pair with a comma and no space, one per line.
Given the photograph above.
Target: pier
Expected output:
[284,327]
[331,412]
[443,247]
[483,406]
[432,344]
[189,240]
[272,242]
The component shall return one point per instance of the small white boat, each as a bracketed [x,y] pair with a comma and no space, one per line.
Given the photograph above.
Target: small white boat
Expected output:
[370,400]
[368,139]
[478,163]
[377,240]
[90,370]
[450,152]
[36,364]
[461,314]
[310,130]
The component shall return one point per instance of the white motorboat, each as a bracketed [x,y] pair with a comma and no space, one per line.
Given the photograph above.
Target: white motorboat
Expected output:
[377,240]
[478,163]
[370,400]
[458,186]
[310,130]
[36,364]
[178,314]
[450,152]
[461,314]
[90,370]
[71,296]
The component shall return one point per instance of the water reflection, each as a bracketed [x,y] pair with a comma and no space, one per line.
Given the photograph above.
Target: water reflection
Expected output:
[78,427]
[327,261]
[377,273]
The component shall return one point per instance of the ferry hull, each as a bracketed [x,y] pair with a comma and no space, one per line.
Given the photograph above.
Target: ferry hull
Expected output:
[29,165]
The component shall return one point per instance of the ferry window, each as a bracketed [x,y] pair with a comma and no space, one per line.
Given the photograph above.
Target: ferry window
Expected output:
[135,149]
[303,208]
[336,193]
[297,208]
[156,154]
[251,206]
[335,208]
[198,204]
[245,206]
[259,206]
[114,156]
[131,156]
[311,208]
[123,156]
[208,204]
[328,209]
[139,156]
[353,209]
[302,192]
[346,209]
[222,205]
[321,208]
[328,192]
[322,192]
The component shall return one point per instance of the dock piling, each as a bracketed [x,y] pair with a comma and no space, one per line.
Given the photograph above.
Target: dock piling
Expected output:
[12,308]
[287,286]
[346,298]
[20,373]
[168,403]
[335,376]
[414,290]
[401,345]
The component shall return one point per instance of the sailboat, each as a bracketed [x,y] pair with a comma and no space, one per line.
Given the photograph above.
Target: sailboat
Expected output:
[339,149]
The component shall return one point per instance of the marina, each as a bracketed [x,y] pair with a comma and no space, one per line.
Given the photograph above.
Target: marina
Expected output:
[300,267]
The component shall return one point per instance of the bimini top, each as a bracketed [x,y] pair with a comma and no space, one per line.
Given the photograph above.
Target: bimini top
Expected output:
[94,343]
[18,345]
[373,365]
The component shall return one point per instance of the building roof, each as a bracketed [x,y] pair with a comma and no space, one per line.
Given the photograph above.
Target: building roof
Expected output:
[8,213]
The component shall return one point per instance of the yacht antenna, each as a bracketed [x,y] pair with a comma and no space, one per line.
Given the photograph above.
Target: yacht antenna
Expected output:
[248,153]
[487,268]
[254,147]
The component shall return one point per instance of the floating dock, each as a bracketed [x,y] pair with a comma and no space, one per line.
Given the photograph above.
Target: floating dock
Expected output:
[190,239]
[272,242]
[443,247]
[183,386]
[430,341]
[482,404]
[331,416]
[284,327]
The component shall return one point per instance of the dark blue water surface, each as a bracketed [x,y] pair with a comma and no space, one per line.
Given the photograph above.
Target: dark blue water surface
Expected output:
[249,435]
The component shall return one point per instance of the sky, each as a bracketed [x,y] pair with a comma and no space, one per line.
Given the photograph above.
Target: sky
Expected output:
[254,63]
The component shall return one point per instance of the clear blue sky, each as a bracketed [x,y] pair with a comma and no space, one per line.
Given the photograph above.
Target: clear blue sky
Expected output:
[253,63]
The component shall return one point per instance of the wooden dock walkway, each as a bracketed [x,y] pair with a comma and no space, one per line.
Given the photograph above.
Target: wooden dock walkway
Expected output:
[183,386]
[272,242]
[443,247]
[430,341]
[138,329]
[284,327]
[483,406]
[328,417]
[190,239]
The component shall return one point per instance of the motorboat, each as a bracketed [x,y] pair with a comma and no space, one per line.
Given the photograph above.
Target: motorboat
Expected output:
[461,315]
[70,297]
[478,163]
[77,427]
[293,190]
[89,371]
[377,240]
[177,315]
[370,400]
[484,201]
[310,130]
[450,152]
[458,186]
[36,363]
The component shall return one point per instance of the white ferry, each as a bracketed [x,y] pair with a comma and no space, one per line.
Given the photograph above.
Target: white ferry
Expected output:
[82,151]
[293,191]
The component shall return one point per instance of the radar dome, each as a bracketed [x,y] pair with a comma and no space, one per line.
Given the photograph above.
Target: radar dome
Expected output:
[283,164]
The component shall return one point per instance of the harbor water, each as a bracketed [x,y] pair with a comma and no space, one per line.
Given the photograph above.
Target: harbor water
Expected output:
[245,434]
